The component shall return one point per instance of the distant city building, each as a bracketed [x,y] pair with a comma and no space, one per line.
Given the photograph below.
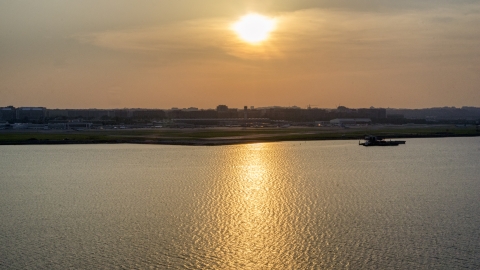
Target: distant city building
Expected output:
[89,113]
[148,114]
[122,113]
[222,108]
[8,113]
[223,111]
[181,114]
[57,113]
[4,125]
[31,113]
[395,116]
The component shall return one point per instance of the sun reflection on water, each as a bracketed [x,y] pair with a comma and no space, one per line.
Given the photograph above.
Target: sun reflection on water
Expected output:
[250,212]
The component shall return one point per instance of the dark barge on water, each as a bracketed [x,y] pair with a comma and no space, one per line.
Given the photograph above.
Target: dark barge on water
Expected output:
[378,141]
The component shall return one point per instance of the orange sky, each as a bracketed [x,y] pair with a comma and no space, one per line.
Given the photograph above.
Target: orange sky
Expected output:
[163,54]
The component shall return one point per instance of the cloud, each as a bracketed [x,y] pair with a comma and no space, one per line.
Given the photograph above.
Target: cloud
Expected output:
[210,39]
[189,38]
[310,35]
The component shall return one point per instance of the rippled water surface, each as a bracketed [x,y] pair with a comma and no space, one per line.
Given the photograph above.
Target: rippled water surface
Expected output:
[289,205]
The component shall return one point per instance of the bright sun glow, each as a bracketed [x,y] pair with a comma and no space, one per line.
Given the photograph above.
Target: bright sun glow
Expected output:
[254,28]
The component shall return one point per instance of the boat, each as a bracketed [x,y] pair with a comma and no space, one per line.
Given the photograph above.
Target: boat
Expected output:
[378,141]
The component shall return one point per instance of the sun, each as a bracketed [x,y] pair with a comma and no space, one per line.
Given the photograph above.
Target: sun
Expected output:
[254,28]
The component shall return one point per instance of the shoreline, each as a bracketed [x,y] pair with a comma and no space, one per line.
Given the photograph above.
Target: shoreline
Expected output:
[222,136]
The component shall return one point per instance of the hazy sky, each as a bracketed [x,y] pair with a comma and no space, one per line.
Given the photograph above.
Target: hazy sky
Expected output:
[182,53]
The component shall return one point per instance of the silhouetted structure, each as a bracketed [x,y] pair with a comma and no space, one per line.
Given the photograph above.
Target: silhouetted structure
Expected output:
[8,113]
[222,108]
[31,113]
[225,116]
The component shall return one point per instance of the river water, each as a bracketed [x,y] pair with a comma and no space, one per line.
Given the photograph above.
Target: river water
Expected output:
[286,205]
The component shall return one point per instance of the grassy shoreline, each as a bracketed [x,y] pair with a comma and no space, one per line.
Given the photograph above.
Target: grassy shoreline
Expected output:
[226,136]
